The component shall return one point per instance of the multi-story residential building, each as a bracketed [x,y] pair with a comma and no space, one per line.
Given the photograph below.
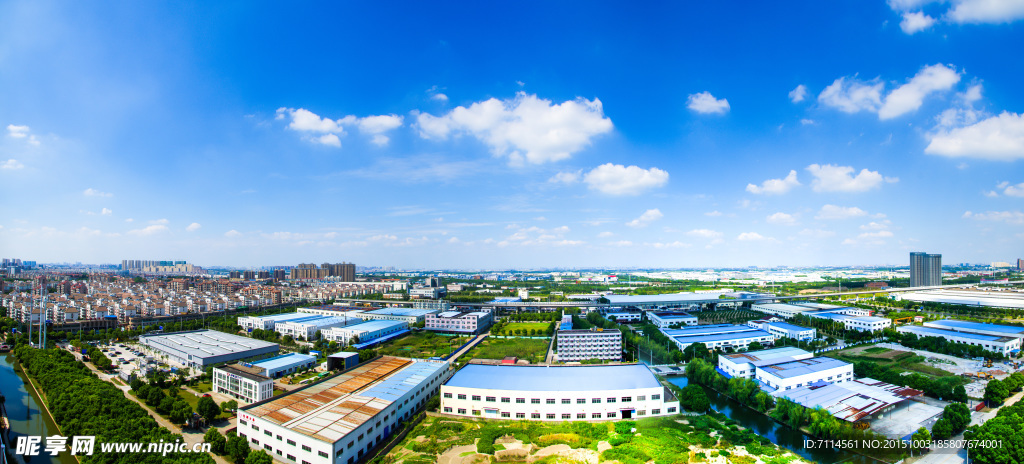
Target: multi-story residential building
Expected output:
[582,345]
[459,322]
[925,269]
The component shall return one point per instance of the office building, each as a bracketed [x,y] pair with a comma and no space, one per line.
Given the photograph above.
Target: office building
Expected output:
[426,292]
[925,269]
[595,343]
[998,344]
[201,348]
[666,319]
[242,382]
[340,419]
[557,393]
[744,364]
[251,323]
[799,373]
[411,316]
[458,322]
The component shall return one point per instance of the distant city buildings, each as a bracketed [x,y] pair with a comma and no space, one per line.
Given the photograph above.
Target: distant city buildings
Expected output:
[345,272]
[925,269]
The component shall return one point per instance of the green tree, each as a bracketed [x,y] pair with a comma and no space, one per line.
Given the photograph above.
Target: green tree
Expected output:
[754,346]
[259,457]
[208,409]
[942,430]
[216,440]
[229,405]
[959,394]
[920,437]
[237,448]
[694,399]
[996,392]
[154,396]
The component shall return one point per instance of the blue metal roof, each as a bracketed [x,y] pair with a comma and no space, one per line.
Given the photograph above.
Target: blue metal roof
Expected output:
[377,340]
[393,387]
[370,326]
[803,366]
[752,333]
[285,317]
[952,324]
[555,378]
[706,330]
[402,312]
[789,327]
[933,332]
[507,300]
[664,298]
[285,361]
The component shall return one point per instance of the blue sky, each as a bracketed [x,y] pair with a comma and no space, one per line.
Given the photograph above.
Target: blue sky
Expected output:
[501,135]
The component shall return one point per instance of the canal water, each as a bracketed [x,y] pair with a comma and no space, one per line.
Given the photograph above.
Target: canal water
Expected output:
[779,434]
[25,413]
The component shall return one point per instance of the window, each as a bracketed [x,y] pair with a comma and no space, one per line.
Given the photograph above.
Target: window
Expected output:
[655,411]
[309,450]
[462,410]
[595,415]
[611,414]
[520,400]
[476,412]
[641,398]
[627,399]
[520,415]
[278,438]
[267,433]
[671,410]
[551,401]
[506,400]
[322,454]
[349,445]
[243,422]
[268,448]
[566,416]
[534,415]
[581,415]
[254,427]
[339,453]
[641,413]
[655,397]
[447,395]
[462,396]
[566,401]
[595,400]
[290,442]
[491,399]
[611,400]
[253,440]
[476,397]
[534,400]
[550,416]
[506,414]
[447,409]
[290,457]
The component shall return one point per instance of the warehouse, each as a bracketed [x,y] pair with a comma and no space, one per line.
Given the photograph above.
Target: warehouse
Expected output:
[995,299]
[744,364]
[250,323]
[284,364]
[1001,345]
[340,419]
[557,393]
[411,316]
[718,336]
[364,332]
[995,330]
[784,330]
[306,329]
[665,319]
[851,401]
[795,374]
[201,348]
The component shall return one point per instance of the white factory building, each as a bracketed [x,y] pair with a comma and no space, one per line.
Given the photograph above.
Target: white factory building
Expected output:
[851,318]
[201,348]
[1003,345]
[340,419]
[665,319]
[803,372]
[251,323]
[744,364]
[411,316]
[978,328]
[556,393]
[364,332]
[784,330]
[595,343]
[719,336]
[460,322]
[306,329]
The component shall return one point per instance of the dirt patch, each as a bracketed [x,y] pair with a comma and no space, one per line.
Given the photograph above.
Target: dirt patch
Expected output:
[454,455]
[603,446]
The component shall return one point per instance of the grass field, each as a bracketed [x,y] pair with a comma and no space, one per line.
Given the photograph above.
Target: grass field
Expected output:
[532,350]
[658,440]
[422,345]
[510,329]
[904,360]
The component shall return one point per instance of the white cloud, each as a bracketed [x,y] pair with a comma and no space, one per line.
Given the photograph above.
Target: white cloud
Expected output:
[1011,217]
[909,97]
[817,233]
[704,233]
[331,130]
[148,230]
[829,178]
[675,244]
[18,132]
[852,96]
[705,103]
[159,221]
[839,212]
[304,120]
[525,128]
[876,234]
[621,243]
[616,179]
[999,138]
[798,94]
[232,233]
[106,212]
[715,213]
[378,125]
[972,94]
[129,220]
[876,225]
[782,218]
[193,227]
[568,243]
[990,194]
[648,217]
[439,97]
[807,122]
[11,164]
[916,21]
[566,177]
[331,140]
[752,237]
[775,186]
[1014,190]
[91,192]
[605,234]
[986,11]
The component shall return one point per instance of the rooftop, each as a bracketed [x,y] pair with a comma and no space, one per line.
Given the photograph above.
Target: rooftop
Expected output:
[933,332]
[409,312]
[284,360]
[664,298]
[554,378]
[765,355]
[953,324]
[789,327]
[739,335]
[803,367]
[706,330]
[245,372]
[850,401]
[205,343]
[370,326]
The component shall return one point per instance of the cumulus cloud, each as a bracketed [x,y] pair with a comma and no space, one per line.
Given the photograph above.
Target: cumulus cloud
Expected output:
[775,186]
[91,192]
[876,225]
[21,132]
[705,233]
[148,230]
[1014,190]
[616,179]
[752,237]
[1010,217]
[909,97]
[193,227]
[829,178]
[621,243]
[999,138]
[705,103]
[817,233]
[11,164]
[839,212]
[985,11]
[232,233]
[675,244]
[648,217]
[439,97]
[566,177]
[715,213]
[781,218]
[798,94]
[852,96]
[605,234]
[106,212]
[523,129]
[327,131]
[916,21]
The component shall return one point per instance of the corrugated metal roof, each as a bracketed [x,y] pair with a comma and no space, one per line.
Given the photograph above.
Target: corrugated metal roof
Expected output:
[554,378]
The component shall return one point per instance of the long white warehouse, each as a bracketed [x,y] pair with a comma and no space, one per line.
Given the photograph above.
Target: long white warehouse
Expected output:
[744,364]
[201,348]
[363,332]
[795,374]
[1002,345]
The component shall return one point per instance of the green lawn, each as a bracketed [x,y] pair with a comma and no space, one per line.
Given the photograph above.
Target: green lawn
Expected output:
[422,345]
[533,350]
[202,387]
[540,328]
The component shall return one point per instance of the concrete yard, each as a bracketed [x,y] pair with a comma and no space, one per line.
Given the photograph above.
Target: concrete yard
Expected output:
[908,417]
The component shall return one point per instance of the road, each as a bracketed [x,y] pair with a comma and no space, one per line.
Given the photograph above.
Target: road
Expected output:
[468,347]
[948,456]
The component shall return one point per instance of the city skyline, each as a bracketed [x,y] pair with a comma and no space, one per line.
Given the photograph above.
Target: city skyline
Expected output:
[658,136]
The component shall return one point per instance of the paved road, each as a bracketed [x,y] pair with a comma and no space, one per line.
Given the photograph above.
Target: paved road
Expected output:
[468,347]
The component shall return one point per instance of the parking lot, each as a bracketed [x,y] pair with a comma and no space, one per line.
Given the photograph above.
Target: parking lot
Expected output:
[126,357]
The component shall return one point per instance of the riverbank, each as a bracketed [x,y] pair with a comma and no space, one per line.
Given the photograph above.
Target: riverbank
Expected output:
[27,413]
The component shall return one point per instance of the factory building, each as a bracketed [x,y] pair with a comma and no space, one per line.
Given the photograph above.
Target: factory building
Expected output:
[995,330]
[458,322]
[718,336]
[365,332]
[803,372]
[307,328]
[250,323]
[557,393]
[784,330]
[666,319]
[1003,345]
[410,316]
[201,348]
[595,343]
[744,364]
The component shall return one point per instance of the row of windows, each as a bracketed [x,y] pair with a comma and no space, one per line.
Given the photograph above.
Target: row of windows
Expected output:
[505,399]
[564,416]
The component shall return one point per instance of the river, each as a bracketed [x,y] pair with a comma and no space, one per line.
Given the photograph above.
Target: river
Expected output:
[779,434]
[24,411]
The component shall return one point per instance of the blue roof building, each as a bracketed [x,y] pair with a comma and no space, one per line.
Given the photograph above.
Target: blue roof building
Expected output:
[285,364]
